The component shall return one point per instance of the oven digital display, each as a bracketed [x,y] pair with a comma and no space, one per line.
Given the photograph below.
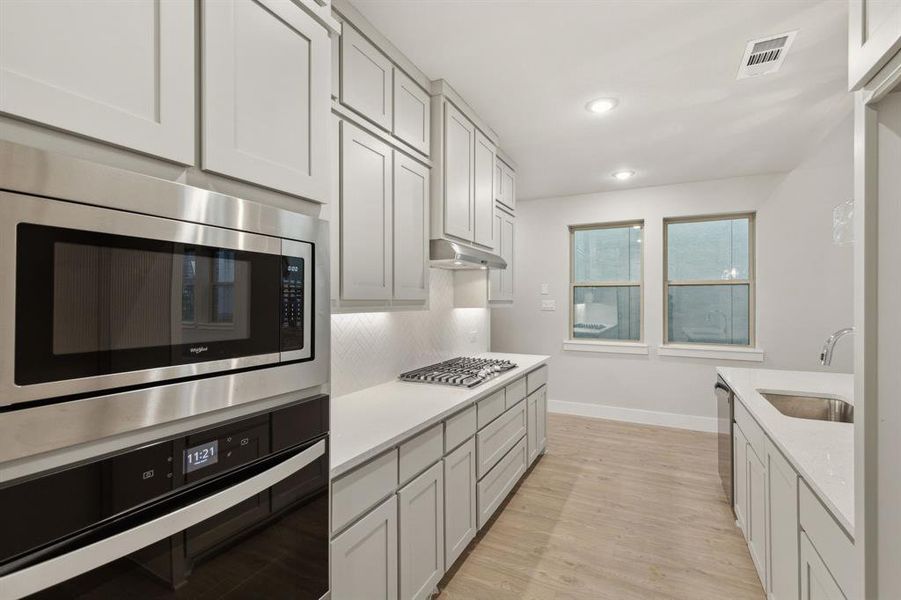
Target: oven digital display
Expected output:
[201,456]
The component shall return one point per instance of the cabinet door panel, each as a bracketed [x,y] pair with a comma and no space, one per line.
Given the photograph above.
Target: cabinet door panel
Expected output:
[411,229]
[532,426]
[782,526]
[483,211]
[496,276]
[501,281]
[266,94]
[508,187]
[542,419]
[459,145]
[366,78]
[119,72]
[817,582]
[740,476]
[756,517]
[364,558]
[460,524]
[421,513]
[412,110]
[366,223]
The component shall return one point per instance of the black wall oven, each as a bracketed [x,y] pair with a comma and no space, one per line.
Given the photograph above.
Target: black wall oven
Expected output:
[236,511]
[106,299]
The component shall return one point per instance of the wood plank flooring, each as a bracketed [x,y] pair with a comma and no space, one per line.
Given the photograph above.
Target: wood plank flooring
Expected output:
[612,511]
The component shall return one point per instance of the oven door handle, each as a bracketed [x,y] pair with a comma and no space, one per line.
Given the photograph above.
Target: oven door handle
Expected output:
[60,568]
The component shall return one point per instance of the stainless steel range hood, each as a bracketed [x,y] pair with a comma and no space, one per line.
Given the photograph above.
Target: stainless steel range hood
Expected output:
[445,254]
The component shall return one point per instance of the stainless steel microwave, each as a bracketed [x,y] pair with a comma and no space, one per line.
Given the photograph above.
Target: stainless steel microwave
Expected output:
[113,281]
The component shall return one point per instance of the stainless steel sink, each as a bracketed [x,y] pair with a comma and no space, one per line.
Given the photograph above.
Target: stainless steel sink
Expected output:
[812,407]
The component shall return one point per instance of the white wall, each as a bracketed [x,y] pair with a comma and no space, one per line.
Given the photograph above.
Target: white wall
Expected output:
[372,348]
[804,286]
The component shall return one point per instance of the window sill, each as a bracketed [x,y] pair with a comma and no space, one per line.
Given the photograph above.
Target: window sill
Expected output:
[714,352]
[605,347]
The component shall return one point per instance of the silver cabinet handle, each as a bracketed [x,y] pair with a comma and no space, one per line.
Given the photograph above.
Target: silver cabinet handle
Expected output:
[56,570]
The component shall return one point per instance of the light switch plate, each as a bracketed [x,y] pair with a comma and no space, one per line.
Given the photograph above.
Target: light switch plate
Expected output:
[548,305]
[545,289]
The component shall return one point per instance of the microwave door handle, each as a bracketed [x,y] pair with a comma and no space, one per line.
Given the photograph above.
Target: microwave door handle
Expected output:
[58,569]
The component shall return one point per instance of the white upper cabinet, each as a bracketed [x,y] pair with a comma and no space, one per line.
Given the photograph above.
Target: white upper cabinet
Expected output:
[874,37]
[365,213]
[366,78]
[500,281]
[483,221]
[459,146]
[411,113]
[119,72]
[265,95]
[506,192]
[411,229]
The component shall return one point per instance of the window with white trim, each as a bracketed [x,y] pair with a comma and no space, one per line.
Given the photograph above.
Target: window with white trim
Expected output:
[708,282]
[605,281]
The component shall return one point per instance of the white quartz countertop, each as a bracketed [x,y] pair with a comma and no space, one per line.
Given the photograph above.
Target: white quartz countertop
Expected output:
[821,451]
[370,421]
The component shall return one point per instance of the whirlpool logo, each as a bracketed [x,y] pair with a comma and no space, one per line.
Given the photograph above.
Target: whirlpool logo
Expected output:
[198,349]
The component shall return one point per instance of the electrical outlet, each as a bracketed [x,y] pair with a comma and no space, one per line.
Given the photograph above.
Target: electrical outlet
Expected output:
[548,305]
[545,289]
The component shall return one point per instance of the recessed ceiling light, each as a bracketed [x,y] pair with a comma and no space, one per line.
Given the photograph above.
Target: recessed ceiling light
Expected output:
[601,105]
[623,175]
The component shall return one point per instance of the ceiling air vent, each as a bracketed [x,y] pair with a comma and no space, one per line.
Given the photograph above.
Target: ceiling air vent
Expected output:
[765,55]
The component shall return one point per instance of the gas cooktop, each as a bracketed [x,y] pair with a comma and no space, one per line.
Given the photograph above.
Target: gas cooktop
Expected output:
[461,371]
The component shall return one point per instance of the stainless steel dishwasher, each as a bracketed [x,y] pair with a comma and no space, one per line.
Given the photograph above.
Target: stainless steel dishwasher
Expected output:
[725,398]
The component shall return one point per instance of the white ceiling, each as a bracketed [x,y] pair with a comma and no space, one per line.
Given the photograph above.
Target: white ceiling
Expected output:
[529,68]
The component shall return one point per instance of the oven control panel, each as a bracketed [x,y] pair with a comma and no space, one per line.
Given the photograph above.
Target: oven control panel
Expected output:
[292,303]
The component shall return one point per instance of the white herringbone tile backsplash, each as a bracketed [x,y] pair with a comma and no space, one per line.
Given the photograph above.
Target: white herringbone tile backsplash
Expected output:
[372,348]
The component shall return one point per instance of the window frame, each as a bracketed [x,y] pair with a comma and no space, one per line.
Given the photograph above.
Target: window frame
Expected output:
[751,281]
[573,285]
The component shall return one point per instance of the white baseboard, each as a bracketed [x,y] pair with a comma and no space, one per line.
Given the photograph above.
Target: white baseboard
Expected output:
[633,415]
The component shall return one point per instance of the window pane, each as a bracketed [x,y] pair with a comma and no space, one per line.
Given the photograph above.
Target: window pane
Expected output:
[607,254]
[709,314]
[705,250]
[607,313]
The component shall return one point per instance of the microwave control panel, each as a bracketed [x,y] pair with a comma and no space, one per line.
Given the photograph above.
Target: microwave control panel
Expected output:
[292,303]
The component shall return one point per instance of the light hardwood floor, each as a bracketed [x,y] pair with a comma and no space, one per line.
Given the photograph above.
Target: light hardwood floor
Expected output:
[612,511]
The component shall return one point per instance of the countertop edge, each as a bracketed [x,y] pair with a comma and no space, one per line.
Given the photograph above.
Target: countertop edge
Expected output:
[808,477]
[361,458]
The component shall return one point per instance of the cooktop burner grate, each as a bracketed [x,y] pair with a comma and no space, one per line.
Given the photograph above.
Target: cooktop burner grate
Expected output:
[461,371]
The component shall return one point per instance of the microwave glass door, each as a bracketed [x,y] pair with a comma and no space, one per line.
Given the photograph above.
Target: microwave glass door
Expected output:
[90,304]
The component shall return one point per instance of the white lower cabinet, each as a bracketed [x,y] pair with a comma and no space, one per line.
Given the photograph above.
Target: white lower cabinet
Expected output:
[782,526]
[756,517]
[536,436]
[421,526]
[817,582]
[460,524]
[364,558]
[797,546]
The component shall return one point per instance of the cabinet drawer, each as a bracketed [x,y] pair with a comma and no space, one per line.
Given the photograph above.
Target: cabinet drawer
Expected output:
[490,408]
[459,428]
[829,539]
[361,489]
[497,484]
[751,429]
[495,441]
[419,453]
[536,379]
[515,392]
